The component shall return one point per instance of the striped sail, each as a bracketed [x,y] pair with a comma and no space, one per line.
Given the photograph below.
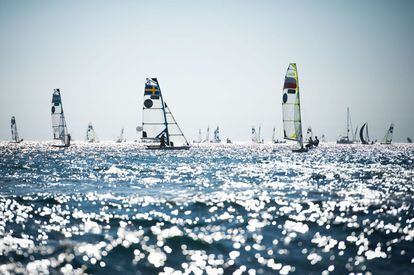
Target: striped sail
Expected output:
[292,123]
[157,118]
[60,131]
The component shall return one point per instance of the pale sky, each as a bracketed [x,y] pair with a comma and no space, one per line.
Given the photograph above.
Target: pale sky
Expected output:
[218,63]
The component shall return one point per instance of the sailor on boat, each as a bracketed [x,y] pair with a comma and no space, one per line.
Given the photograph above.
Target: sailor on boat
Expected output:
[162,141]
[316,141]
[310,143]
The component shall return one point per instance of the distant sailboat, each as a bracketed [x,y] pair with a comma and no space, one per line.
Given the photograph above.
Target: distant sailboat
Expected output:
[207,134]
[199,138]
[364,135]
[309,133]
[90,134]
[60,131]
[409,140]
[14,133]
[217,135]
[159,125]
[388,136]
[259,136]
[346,139]
[274,140]
[121,137]
[254,136]
[292,122]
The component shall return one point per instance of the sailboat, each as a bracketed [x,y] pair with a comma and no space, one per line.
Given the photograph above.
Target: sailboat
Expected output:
[274,140]
[207,134]
[121,137]
[60,130]
[259,137]
[292,122]
[388,136]
[254,136]
[14,133]
[409,140]
[159,125]
[217,135]
[199,139]
[90,134]
[309,134]
[346,139]
[364,130]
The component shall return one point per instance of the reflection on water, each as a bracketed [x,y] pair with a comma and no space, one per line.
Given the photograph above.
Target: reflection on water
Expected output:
[101,208]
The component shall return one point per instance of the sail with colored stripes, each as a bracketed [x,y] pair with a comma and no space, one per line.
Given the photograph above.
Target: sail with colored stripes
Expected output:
[292,123]
[159,125]
[60,131]
[388,136]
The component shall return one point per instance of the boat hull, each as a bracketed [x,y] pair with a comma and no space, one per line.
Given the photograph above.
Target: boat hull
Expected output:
[157,147]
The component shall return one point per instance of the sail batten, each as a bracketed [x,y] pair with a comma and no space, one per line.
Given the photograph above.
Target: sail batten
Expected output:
[292,121]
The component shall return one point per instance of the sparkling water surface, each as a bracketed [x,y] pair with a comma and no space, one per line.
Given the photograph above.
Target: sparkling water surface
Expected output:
[219,209]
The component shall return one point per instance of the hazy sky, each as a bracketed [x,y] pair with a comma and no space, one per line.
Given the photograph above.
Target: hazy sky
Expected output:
[218,63]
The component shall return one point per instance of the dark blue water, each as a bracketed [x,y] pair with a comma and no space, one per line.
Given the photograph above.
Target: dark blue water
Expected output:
[106,208]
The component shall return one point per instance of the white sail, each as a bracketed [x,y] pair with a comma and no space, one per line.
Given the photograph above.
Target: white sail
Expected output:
[274,135]
[121,137]
[217,135]
[14,133]
[292,122]
[254,135]
[60,131]
[259,137]
[90,134]
[158,119]
[207,134]
[388,136]
[309,133]
[200,139]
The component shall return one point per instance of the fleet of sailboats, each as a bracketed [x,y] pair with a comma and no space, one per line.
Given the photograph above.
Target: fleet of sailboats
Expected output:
[160,129]
[60,130]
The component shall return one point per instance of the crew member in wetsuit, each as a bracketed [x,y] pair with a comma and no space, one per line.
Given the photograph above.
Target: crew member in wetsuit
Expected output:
[162,141]
[316,142]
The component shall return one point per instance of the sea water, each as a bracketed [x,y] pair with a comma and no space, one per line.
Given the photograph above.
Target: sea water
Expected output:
[254,209]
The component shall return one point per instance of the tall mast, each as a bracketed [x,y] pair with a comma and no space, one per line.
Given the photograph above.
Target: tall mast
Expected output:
[347,123]
[165,115]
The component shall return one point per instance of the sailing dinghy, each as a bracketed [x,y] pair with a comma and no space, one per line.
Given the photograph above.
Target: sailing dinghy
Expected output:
[292,122]
[364,136]
[217,135]
[90,134]
[14,133]
[388,136]
[160,128]
[60,131]
[121,137]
